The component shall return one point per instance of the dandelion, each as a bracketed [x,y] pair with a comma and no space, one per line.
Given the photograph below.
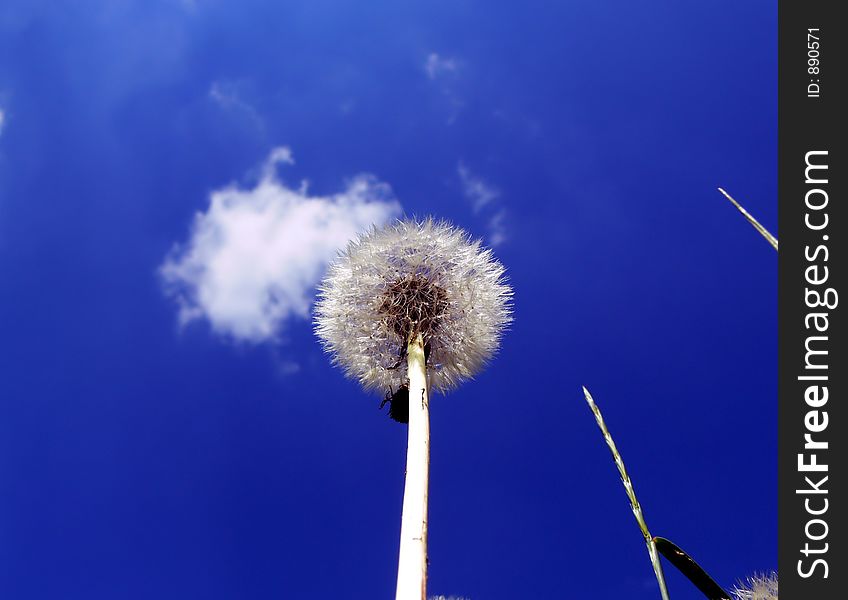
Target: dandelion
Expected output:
[758,587]
[415,305]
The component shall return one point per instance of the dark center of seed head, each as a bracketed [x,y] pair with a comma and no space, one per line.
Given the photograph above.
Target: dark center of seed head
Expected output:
[413,305]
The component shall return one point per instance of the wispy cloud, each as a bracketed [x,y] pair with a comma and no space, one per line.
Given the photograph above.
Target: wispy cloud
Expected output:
[189,5]
[436,66]
[2,119]
[443,72]
[254,255]
[225,94]
[497,227]
[229,96]
[485,202]
[475,189]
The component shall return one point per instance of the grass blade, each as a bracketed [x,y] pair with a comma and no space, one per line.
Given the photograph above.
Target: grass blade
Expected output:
[631,495]
[693,571]
[763,231]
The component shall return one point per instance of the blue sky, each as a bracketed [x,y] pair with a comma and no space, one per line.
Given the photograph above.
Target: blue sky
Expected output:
[165,432]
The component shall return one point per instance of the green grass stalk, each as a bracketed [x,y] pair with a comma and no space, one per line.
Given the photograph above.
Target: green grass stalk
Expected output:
[763,231]
[631,495]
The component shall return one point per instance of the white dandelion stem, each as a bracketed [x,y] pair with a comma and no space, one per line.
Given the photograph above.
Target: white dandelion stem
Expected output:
[412,562]
[631,495]
[756,224]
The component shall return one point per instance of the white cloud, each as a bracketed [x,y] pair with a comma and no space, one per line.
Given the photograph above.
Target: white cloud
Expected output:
[485,201]
[255,255]
[2,119]
[437,65]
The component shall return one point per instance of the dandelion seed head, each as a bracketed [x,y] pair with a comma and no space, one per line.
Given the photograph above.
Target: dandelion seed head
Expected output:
[413,277]
[758,587]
